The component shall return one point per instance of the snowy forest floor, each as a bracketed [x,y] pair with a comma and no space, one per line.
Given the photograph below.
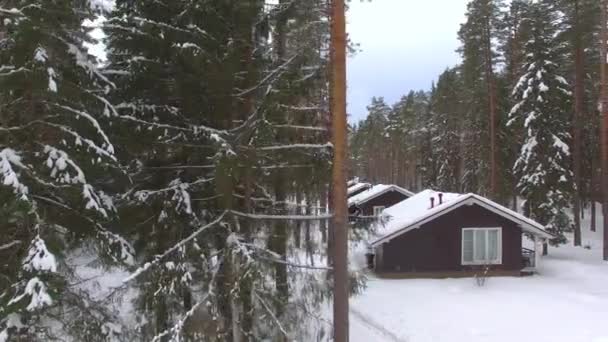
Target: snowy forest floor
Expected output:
[566,302]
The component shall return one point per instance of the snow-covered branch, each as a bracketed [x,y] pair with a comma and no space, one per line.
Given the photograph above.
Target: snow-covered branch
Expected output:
[178,245]
[272,74]
[80,139]
[8,175]
[307,128]
[296,146]
[282,217]
[10,244]
[13,71]
[93,121]
[272,315]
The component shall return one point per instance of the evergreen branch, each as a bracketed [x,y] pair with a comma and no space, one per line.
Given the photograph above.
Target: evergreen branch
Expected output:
[90,143]
[267,308]
[175,247]
[14,71]
[92,120]
[279,70]
[283,217]
[289,264]
[10,244]
[177,327]
[296,146]
[159,24]
[146,193]
[308,128]
[303,109]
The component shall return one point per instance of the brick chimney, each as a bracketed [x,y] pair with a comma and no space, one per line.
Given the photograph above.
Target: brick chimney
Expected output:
[440,198]
[432,202]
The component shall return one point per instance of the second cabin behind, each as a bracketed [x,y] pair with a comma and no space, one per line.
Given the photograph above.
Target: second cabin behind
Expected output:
[374,200]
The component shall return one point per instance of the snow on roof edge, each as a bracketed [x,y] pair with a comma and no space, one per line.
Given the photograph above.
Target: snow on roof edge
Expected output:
[533,226]
[375,191]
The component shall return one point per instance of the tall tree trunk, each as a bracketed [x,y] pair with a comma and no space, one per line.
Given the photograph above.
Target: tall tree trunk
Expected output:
[224,284]
[280,233]
[322,211]
[340,220]
[297,232]
[279,246]
[604,133]
[593,217]
[246,283]
[493,119]
[307,233]
[579,107]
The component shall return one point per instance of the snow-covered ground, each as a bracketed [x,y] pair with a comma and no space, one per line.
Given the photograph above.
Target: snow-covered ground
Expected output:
[566,302]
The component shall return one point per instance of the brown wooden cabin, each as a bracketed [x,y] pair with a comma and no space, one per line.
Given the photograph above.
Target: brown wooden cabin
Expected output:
[374,200]
[467,236]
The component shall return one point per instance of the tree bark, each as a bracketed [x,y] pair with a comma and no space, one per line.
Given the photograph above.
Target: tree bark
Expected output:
[492,102]
[579,107]
[322,211]
[280,230]
[604,132]
[340,219]
[297,232]
[593,217]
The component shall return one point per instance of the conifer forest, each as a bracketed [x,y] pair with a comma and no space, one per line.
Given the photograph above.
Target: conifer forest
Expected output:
[179,187]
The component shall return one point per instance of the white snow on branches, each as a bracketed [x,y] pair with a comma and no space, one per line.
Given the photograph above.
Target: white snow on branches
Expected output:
[8,175]
[58,161]
[37,291]
[560,144]
[52,83]
[181,196]
[40,55]
[39,259]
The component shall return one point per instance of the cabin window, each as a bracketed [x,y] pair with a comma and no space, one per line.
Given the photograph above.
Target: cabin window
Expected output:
[481,246]
[378,210]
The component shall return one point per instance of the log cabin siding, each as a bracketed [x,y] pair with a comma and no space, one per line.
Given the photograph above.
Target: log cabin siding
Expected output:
[436,245]
[387,199]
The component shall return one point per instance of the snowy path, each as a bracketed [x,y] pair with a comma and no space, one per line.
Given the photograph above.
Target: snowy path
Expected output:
[375,327]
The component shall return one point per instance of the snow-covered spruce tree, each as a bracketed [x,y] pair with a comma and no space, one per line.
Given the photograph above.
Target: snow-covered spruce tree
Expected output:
[56,163]
[224,128]
[542,109]
[172,64]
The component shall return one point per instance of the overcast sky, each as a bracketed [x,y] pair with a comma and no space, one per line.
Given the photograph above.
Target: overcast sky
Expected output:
[405,45]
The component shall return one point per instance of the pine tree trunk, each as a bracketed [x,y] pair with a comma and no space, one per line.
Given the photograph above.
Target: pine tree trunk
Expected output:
[492,102]
[246,283]
[224,284]
[297,232]
[604,132]
[307,236]
[322,211]
[279,246]
[339,198]
[579,107]
[593,217]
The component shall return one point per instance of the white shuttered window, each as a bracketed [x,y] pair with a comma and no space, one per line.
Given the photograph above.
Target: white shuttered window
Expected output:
[481,246]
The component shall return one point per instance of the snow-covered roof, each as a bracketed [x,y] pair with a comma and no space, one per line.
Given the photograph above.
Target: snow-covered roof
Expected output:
[416,211]
[356,187]
[376,191]
[352,182]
